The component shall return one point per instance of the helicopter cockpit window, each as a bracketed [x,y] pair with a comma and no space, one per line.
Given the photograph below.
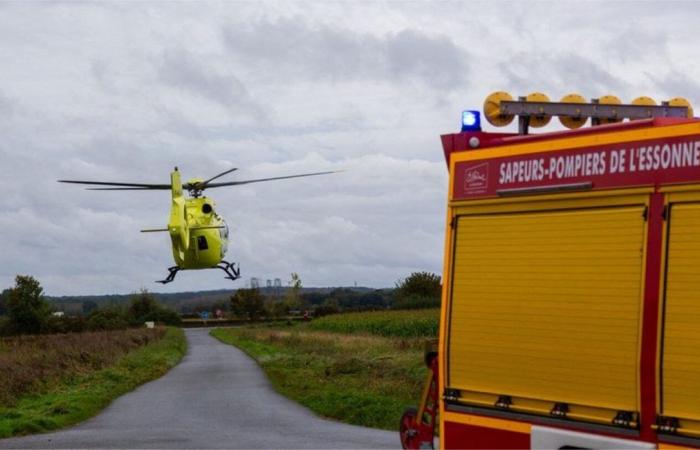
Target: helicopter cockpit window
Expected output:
[202,243]
[206,208]
[223,232]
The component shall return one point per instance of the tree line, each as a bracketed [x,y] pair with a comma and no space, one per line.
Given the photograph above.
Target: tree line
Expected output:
[419,290]
[25,310]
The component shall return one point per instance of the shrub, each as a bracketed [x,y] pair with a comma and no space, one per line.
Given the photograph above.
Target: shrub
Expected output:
[248,303]
[4,295]
[27,309]
[144,307]
[419,290]
[54,325]
[330,306]
[107,318]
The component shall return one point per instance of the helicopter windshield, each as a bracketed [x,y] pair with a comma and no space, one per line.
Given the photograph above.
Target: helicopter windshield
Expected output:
[223,232]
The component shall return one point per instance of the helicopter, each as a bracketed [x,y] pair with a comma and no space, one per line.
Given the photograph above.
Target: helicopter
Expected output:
[198,234]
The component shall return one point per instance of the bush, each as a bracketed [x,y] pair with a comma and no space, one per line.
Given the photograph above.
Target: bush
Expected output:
[4,295]
[54,325]
[5,328]
[330,306]
[144,308]
[248,304]
[275,308]
[107,318]
[27,309]
[419,290]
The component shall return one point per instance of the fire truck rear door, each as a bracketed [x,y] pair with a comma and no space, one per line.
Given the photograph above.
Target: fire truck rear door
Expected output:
[546,305]
[680,369]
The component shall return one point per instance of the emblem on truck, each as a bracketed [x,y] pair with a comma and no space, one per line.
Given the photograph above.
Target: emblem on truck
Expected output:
[476,179]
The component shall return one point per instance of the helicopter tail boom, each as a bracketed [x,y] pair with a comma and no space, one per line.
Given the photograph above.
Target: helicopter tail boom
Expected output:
[177,225]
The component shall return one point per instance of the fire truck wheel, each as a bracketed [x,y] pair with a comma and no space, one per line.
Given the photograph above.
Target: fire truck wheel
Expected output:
[408,429]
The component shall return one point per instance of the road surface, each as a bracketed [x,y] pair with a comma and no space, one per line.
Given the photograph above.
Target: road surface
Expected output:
[217,397]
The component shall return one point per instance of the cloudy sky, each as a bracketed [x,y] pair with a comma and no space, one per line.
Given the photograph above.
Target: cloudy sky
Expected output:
[125,91]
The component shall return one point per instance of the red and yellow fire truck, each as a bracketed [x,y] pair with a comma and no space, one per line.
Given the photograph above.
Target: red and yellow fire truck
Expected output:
[571,286]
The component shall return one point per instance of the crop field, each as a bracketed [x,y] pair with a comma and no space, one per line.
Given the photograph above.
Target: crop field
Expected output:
[405,324]
[52,381]
[359,368]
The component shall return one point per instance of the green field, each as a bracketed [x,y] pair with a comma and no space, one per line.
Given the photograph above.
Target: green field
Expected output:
[405,324]
[348,367]
[80,394]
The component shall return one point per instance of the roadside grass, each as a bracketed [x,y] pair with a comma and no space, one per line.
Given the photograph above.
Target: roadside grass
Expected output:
[359,378]
[82,394]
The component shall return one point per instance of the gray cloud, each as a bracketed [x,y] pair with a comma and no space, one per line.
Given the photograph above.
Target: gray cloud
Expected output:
[562,72]
[179,69]
[294,47]
[675,84]
[7,106]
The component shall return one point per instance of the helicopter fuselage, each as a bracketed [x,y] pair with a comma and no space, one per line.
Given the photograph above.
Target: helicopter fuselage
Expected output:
[208,236]
[199,235]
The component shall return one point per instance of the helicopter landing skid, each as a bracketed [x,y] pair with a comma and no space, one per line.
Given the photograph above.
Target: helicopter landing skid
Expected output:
[172,271]
[232,272]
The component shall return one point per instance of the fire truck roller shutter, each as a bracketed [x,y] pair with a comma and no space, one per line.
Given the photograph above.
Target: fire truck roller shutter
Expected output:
[547,306]
[680,374]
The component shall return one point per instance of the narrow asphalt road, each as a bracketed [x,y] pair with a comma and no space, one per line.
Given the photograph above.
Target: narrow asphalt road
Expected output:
[217,397]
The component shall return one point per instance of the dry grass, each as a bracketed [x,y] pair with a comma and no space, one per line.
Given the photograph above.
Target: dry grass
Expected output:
[34,364]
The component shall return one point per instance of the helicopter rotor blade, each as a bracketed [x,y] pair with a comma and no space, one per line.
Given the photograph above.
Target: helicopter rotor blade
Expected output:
[236,183]
[125,189]
[130,185]
[205,183]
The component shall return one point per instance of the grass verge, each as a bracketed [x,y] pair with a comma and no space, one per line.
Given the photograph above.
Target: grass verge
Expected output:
[359,379]
[79,397]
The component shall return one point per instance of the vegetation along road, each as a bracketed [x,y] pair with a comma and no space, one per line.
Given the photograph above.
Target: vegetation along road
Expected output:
[217,397]
[361,368]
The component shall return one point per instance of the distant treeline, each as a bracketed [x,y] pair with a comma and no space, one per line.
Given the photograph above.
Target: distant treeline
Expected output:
[27,310]
[197,301]
[419,290]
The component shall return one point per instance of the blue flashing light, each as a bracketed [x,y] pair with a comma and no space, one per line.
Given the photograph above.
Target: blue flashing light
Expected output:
[471,121]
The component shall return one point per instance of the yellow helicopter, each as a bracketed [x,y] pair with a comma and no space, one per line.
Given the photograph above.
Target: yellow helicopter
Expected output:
[199,235]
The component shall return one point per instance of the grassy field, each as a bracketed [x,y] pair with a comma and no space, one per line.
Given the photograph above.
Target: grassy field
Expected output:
[406,324]
[348,367]
[53,381]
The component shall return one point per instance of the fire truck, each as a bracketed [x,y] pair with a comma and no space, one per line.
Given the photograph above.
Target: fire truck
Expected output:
[571,287]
